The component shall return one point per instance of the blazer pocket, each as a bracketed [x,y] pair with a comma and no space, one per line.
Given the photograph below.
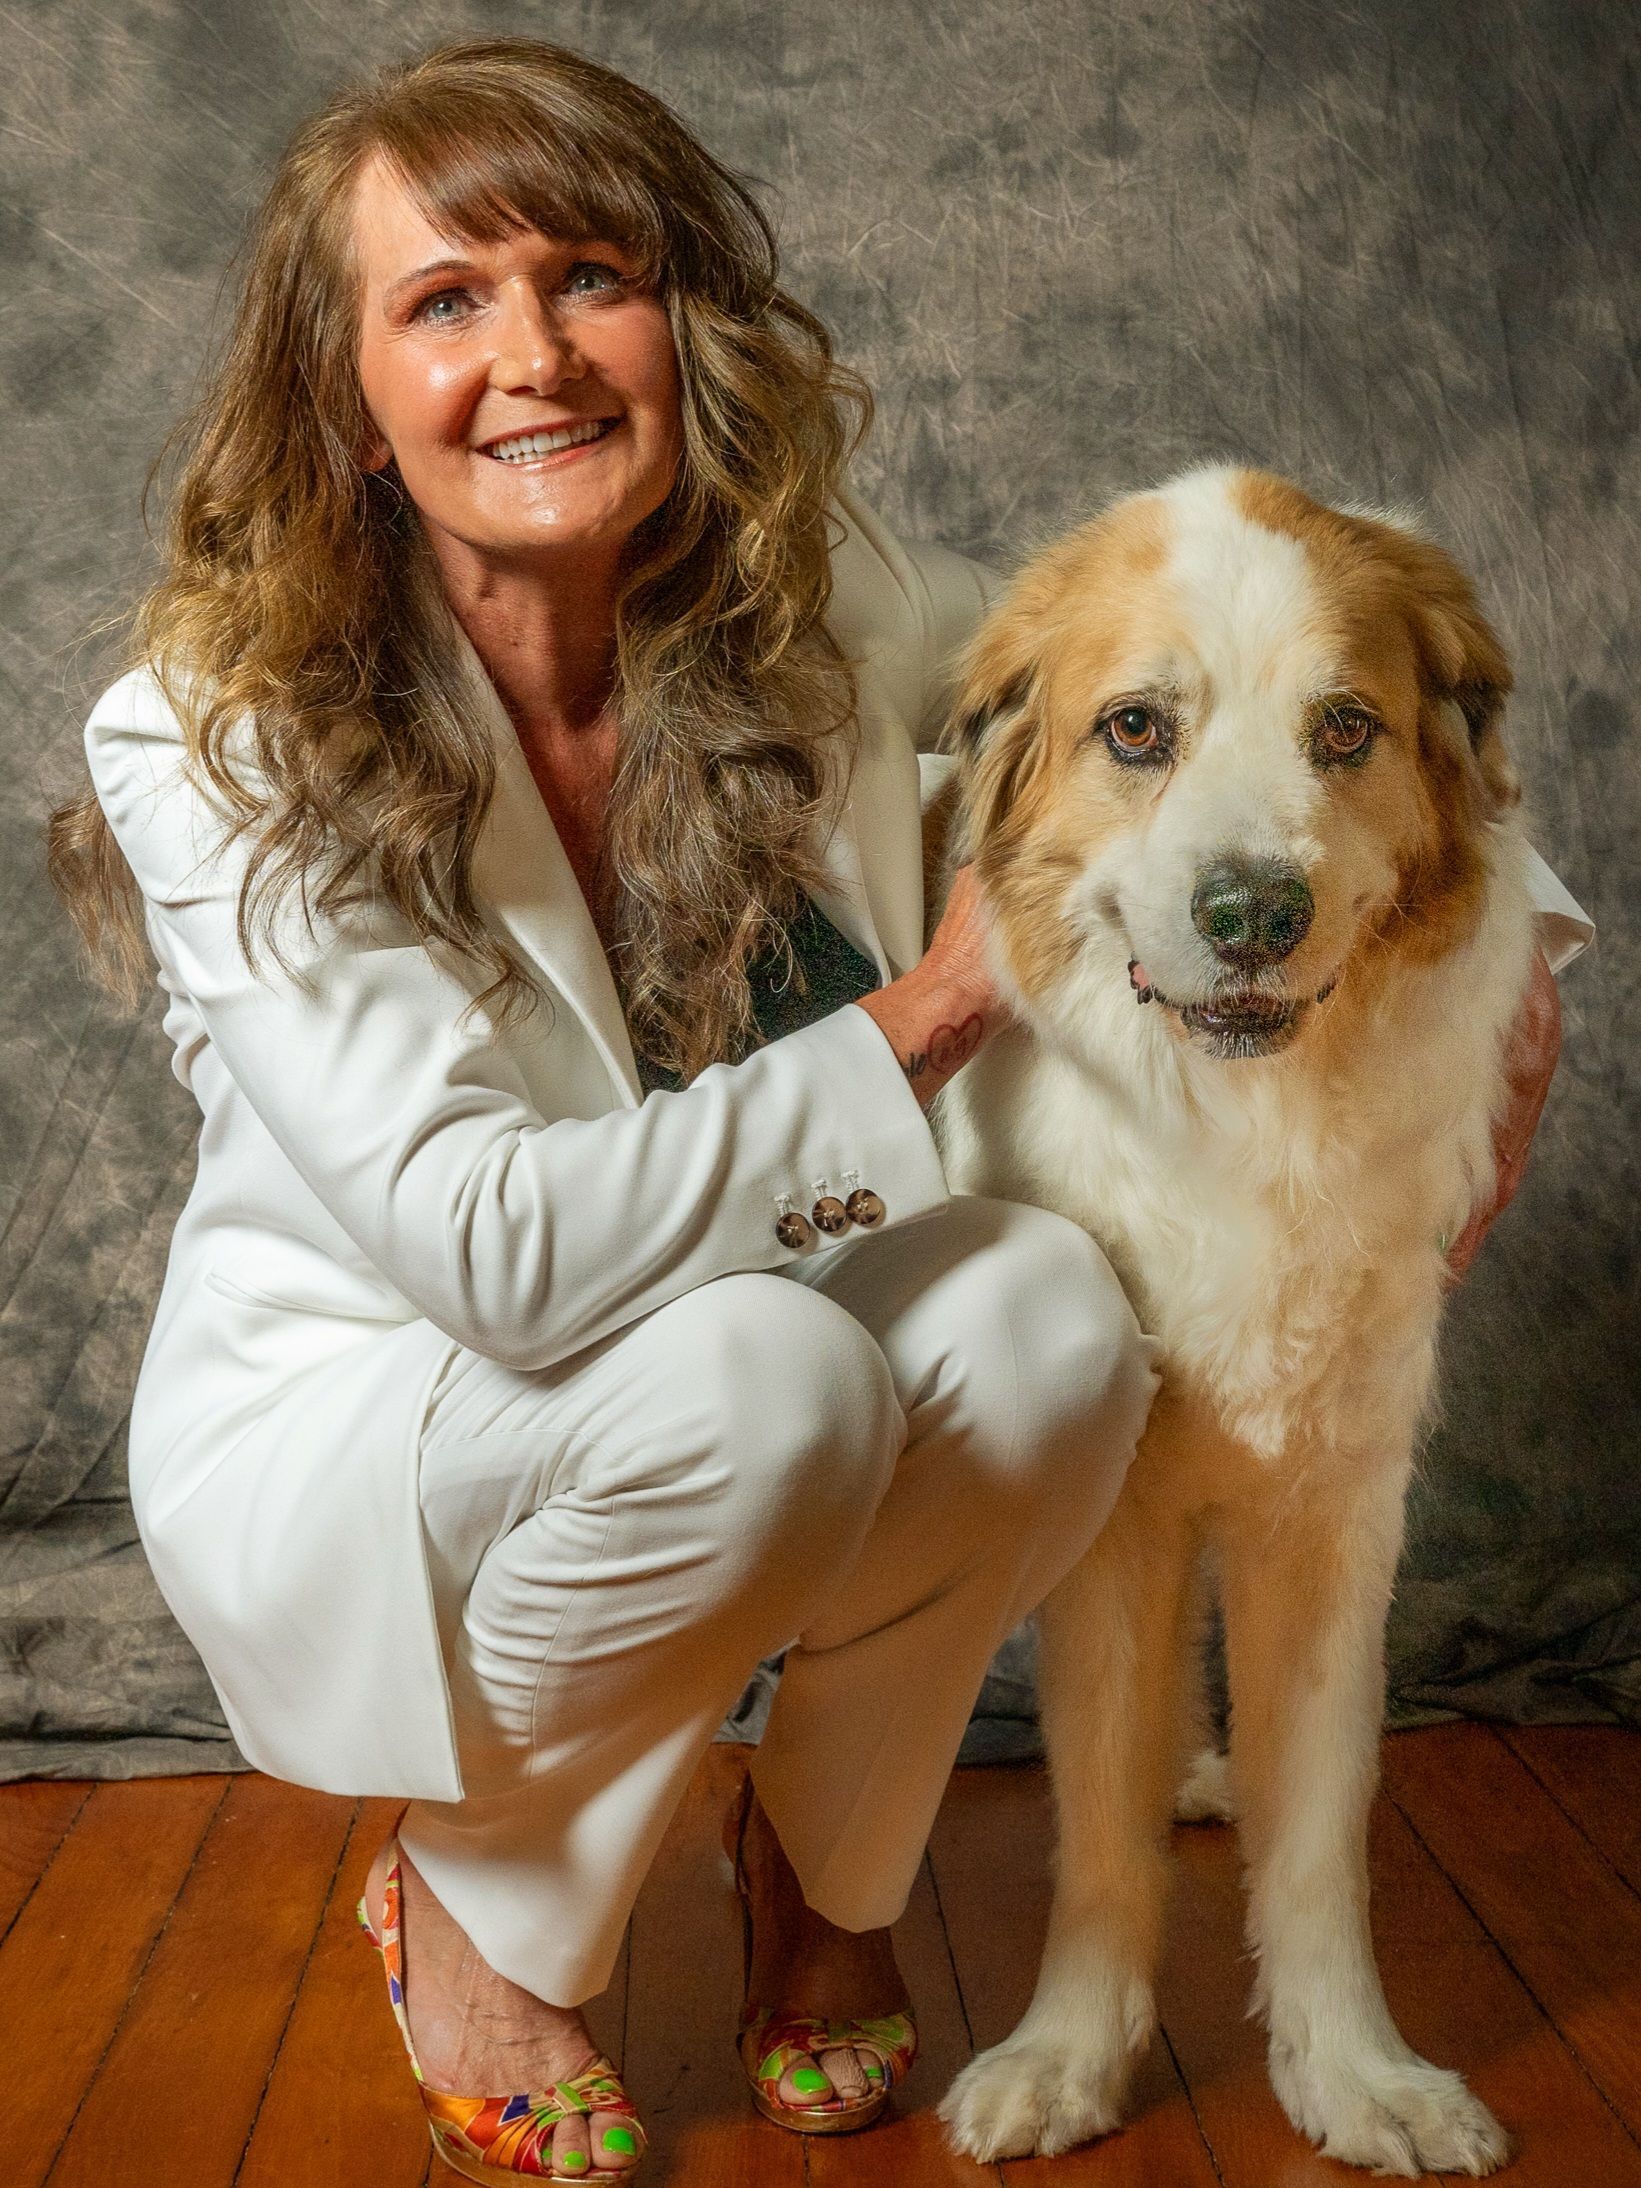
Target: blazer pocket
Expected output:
[386,1312]
[248,1295]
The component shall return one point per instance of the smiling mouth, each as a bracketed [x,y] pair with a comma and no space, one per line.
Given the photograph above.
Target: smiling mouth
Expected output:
[531,447]
[1240,1022]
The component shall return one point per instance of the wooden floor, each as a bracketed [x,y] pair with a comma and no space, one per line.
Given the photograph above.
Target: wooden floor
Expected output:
[186,2000]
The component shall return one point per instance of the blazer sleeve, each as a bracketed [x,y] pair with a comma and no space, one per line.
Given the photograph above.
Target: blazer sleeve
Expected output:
[524,1236]
[952,594]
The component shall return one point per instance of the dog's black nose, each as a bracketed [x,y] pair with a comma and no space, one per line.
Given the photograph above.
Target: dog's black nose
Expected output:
[1252,910]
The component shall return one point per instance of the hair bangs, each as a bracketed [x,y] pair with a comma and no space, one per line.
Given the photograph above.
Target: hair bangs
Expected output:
[481,170]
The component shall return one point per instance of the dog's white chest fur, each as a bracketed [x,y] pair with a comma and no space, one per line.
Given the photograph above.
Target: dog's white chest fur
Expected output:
[1278,1223]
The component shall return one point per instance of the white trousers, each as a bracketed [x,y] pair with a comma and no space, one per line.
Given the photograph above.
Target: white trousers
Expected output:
[885,1463]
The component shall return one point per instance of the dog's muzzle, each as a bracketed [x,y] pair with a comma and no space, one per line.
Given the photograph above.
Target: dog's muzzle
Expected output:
[1241,1021]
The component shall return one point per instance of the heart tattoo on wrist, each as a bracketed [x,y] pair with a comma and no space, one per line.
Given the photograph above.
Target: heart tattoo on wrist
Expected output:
[949,1046]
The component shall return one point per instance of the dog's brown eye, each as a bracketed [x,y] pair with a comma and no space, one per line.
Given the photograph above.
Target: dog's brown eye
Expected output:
[1344,732]
[1132,730]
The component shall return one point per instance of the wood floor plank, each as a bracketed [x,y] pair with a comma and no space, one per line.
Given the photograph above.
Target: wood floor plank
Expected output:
[1203,1990]
[909,2150]
[684,1991]
[1594,1773]
[148,2024]
[989,1853]
[71,1959]
[340,2109]
[176,2094]
[35,1817]
[1450,1990]
[1458,2002]
[1565,1922]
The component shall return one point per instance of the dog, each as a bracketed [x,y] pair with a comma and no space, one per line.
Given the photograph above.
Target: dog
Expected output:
[1230,771]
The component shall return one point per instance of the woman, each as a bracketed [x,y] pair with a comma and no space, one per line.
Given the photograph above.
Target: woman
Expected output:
[520,779]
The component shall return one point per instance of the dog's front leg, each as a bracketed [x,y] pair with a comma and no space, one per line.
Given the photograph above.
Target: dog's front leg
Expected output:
[1113,1644]
[1306,1572]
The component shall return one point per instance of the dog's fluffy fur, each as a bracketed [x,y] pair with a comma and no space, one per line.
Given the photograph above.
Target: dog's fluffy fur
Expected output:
[1274,1176]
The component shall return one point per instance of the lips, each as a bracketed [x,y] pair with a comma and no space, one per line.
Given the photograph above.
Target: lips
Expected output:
[532,443]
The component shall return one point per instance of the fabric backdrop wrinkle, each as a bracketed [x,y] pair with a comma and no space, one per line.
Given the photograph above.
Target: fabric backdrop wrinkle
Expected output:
[1388,248]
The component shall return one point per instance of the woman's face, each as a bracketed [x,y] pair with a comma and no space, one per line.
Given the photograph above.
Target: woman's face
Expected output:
[478,359]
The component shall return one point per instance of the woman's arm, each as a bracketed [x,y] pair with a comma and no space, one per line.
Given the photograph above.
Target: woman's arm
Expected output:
[522,1234]
[937,1015]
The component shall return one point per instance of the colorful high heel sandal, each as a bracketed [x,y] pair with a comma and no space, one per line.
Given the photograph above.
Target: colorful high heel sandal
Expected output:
[771,2041]
[498,2139]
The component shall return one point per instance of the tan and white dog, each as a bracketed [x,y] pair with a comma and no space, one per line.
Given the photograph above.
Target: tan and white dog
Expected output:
[1232,779]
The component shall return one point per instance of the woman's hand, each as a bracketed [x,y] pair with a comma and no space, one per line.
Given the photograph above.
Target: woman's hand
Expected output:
[956,956]
[937,1015]
[1529,1066]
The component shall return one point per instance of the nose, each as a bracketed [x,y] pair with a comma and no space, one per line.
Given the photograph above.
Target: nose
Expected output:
[1252,910]
[533,350]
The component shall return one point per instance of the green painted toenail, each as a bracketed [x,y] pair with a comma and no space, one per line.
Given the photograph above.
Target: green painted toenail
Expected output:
[809,2081]
[874,2073]
[619,2138]
[575,2161]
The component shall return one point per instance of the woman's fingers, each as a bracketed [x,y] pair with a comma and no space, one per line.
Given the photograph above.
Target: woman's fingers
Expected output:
[1529,1066]
[957,949]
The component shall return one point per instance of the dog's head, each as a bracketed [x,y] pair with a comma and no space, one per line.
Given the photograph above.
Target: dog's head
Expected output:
[1250,741]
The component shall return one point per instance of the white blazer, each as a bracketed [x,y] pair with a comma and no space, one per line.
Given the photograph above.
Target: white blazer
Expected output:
[376,1188]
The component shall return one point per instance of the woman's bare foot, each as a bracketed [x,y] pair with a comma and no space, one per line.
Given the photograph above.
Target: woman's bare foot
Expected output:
[804,1964]
[474,2030]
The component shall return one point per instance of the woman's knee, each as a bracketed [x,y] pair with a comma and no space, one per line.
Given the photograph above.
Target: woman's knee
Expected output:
[1056,1356]
[804,1405]
[719,1494]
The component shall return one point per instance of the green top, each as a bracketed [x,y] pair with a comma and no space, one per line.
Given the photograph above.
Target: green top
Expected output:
[830,972]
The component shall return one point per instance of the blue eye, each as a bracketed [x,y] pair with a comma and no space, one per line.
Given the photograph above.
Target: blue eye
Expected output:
[609,276]
[428,308]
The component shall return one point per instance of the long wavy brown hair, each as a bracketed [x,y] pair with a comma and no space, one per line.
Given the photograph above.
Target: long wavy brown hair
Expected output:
[299,620]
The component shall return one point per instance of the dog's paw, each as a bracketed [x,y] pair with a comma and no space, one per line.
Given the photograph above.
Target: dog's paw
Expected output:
[1205,1794]
[1029,2096]
[1392,2115]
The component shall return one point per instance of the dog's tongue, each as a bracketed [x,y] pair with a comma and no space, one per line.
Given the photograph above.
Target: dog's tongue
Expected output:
[1138,977]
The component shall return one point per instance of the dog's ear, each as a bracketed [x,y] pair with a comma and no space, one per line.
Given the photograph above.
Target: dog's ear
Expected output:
[992,727]
[1462,663]
[1469,670]
[980,713]
[993,678]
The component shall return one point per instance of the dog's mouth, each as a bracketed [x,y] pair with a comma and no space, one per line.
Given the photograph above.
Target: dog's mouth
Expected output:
[1237,1022]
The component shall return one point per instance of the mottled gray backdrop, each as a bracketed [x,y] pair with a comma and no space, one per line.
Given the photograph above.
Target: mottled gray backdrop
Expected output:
[1389,247]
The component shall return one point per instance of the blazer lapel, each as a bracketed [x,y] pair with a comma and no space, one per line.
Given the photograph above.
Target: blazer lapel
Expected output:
[875,850]
[874,893]
[528,885]
[844,897]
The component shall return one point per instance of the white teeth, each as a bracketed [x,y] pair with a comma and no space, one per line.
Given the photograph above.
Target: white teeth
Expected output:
[523,446]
